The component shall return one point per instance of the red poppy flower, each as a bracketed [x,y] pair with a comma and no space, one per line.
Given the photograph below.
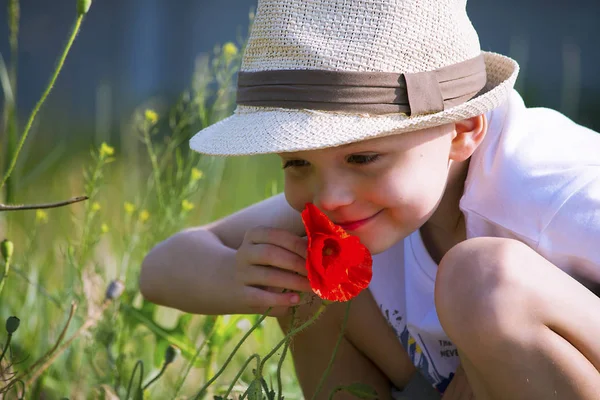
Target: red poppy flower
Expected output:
[338,264]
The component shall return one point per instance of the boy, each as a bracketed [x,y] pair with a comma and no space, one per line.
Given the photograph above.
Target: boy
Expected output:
[480,212]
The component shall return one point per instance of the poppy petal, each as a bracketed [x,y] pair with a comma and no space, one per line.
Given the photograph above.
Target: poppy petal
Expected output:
[339,266]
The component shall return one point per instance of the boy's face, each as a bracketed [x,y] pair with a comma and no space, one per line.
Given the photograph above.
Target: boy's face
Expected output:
[380,189]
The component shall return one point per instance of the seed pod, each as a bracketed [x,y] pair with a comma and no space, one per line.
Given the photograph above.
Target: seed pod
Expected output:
[83,6]
[114,290]
[171,353]
[7,249]
[12,324]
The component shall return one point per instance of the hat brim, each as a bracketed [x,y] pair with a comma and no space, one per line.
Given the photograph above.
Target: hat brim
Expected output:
[261,130]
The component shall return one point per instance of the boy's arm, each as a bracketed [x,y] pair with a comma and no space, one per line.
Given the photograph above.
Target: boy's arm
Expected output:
[193,270]
[273,212]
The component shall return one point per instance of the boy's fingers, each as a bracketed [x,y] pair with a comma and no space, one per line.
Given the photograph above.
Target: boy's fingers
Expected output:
[278,237]
[275,277]
[260,299]
[269,254]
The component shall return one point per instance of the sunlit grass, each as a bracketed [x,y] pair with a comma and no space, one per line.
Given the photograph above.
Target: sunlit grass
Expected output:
[66,258]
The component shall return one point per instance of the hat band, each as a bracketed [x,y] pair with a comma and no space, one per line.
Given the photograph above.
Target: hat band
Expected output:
[364,92]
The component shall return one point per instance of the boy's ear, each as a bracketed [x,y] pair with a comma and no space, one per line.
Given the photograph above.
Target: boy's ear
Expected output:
[468,135]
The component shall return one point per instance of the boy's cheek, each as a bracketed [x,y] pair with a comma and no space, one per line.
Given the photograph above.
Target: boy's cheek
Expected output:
[296,197]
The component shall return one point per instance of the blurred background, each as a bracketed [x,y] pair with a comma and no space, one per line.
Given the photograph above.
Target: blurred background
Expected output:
[142,77]
[131,51]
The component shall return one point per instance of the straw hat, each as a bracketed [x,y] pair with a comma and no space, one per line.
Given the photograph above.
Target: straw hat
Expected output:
[322,73]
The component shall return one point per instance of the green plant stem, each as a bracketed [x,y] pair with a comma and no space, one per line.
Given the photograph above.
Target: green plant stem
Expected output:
[202,391]
[41,289]
[49,352]
[4,276]
[282,358]
[14,386]
[21,207]
[193,360]
[279,366]
[5,348]
[335,349]
[42,99]
[241,371]
[91,188]
[52,355]
[245,394]
[334,391]
[14,13]
[292,333]
[162,371]
[155,168]
[140,364]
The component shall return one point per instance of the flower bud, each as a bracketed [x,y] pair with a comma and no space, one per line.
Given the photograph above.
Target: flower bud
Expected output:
[7,248]
[151,116]
[171,353]
[83,6]
[12,324]
[115,290]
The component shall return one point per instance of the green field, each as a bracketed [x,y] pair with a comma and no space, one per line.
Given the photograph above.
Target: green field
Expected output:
[73,342]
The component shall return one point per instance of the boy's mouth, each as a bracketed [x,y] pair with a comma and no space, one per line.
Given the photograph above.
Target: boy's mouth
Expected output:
[354,225]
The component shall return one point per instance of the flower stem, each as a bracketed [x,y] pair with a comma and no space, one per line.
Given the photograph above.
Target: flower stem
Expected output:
[56,350]
[20,207]
[202,391]
[140,364]
[292,333]
[10,101]
[155,168]
[334,391]
[58,341]
[162,371]
[237,377]
[42,99]
[3,279]
[5,348]
[282,358]
[335,349]
[193,360]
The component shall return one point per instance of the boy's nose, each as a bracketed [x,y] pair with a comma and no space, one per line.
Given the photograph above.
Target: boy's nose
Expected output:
[333,195]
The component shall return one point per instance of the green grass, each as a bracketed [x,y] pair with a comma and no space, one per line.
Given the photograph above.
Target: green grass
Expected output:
[74,343]
[69,258]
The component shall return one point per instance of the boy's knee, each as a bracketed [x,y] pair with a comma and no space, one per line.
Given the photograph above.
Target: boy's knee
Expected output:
[480,290]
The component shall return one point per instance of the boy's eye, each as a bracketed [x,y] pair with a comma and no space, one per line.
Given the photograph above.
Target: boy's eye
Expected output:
[295,163]
[362,158]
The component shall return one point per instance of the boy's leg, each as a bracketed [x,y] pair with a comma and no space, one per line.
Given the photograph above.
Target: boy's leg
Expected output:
[525,328]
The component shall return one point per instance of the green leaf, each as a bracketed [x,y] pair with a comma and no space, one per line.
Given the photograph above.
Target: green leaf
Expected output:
[164,337]
[255,392]
[159,352]
[226,329]
[361,390]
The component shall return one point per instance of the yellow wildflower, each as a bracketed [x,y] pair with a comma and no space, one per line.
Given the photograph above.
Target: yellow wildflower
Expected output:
[96,206]
[196,174]
[151,116]
[186,205]
[106,150]
[230,50]
[129,208]
[104,228]
[41,216]
[144,216]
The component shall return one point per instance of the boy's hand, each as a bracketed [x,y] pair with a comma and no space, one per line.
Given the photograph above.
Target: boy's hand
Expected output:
[269,261]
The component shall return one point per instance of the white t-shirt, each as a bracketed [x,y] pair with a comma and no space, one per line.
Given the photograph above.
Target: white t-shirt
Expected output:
[534,178]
